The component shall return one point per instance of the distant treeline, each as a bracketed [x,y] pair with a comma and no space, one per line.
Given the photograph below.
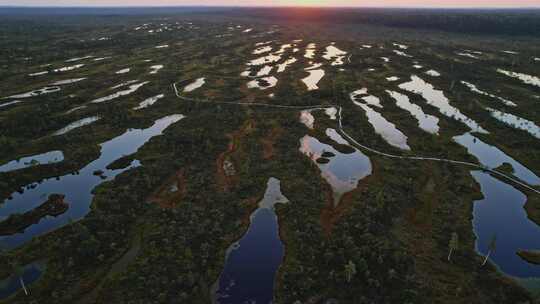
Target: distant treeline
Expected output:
[481,21]
[522,22]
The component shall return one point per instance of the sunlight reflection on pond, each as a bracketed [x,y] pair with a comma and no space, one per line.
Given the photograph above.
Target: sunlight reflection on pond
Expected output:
[343,171]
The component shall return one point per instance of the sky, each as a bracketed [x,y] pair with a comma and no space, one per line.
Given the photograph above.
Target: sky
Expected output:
[328,3]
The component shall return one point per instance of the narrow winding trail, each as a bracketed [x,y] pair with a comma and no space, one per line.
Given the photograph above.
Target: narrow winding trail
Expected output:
[359,145]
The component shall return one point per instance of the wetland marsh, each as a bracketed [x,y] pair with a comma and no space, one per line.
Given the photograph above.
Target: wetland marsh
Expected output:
[213,156]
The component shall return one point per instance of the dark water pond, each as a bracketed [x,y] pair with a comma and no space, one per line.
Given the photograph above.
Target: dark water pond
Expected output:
[44,158]
[78,188]
[501,214]
[252,262]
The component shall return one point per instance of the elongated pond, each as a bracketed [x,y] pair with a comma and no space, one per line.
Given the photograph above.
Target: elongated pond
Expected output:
[252,262]
[77,124]
[43,158]
[426,122]
[38,92]
[437,99]
[148,102]
[199,82]
[500,214]
[387,130]
[501,208]
[516,122]
[475,89]
[77,188]
[130,90]
[493,157]
[528,79]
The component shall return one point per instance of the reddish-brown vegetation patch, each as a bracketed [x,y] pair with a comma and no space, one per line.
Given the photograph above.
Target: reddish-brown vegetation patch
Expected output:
[331,214]
[269,141]
[171,192]
[226,172]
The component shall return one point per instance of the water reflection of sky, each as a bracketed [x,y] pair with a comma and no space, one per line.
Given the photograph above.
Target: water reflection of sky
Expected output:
[252,263]
[426,122]
[493,157]
[44,158]
[516,122]
[501,213]
[344,170]
[78,188]
[437,99]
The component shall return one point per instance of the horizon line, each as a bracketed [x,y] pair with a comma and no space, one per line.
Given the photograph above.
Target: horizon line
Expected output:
[535,7]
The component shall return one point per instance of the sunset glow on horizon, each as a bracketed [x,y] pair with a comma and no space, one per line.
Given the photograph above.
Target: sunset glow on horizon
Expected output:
[274,3]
